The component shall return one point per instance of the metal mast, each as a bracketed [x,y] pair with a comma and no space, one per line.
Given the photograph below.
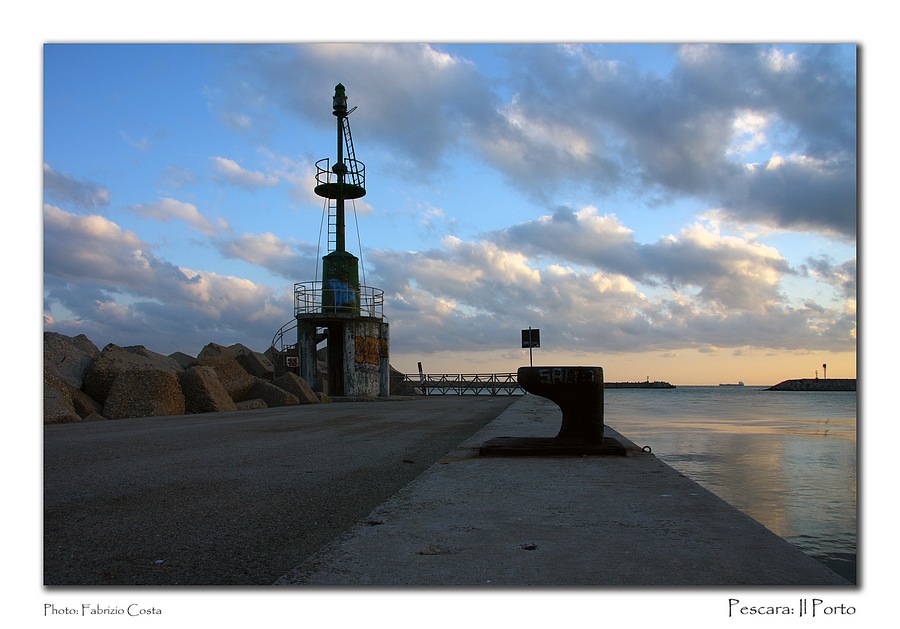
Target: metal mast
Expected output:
[344,180]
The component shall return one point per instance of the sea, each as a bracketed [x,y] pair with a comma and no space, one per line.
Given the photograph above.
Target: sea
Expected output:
[788,459]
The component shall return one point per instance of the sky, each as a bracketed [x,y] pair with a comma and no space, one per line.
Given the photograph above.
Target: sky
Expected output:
[678,212]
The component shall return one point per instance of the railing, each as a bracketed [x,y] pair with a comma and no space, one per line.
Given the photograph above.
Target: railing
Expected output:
[278,340]
[466,384]
[328,182]
[310,298]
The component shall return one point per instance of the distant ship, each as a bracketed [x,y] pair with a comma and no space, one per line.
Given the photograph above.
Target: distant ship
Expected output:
[740,383]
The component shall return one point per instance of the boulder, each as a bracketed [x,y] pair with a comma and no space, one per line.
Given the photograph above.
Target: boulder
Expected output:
[270,394]
[69,358]
[64,403]
[212,350]
[254,363]
[203,392]
[114,361]
[144,392]
[234,378]
[58,406]
[185,361]
[248,405]
[85,405]
[294,384]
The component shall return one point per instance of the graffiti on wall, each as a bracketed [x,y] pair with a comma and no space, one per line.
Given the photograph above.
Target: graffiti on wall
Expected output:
[343,295]
[369,351]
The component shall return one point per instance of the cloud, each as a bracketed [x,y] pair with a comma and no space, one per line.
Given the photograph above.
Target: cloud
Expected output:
[77,247]
[391,84]
[477,295]
[799,193]
[231,172]
[283,258]
[842,276]
[103,281]
[66,189]
[168,209]
[676,134]
[728,272]
[569,118]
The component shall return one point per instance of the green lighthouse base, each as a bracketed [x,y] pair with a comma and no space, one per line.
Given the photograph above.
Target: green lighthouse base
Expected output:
[340,283]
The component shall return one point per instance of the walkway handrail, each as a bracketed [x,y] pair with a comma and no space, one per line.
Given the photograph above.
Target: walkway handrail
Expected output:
[278,340]
[466,383]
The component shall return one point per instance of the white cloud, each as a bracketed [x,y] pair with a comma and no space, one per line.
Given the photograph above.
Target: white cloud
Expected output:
[749,131]
[475,295]
[236,175]
[580,120]
[112,287]
[284,258]
[780,62]
[725,271]
[168,209]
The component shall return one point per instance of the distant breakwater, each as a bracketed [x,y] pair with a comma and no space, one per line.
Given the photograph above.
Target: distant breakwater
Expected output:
[638,385]
[816,384]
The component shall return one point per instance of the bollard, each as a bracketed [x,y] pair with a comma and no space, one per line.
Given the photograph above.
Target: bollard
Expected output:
[578,391]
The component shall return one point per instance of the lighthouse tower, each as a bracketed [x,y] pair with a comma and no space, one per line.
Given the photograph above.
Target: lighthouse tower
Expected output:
[339,311]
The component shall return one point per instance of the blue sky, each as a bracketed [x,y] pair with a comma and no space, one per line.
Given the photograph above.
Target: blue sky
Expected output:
[683,212]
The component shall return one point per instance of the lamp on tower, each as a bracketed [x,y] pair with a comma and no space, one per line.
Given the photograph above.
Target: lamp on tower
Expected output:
[339,102]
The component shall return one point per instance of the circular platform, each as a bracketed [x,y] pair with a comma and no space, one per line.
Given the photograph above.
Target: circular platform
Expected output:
[340,191]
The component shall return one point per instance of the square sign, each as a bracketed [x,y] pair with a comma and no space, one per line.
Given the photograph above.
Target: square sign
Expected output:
[531,338]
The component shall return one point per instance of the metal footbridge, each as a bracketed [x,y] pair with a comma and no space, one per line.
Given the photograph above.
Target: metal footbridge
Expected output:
[466,383]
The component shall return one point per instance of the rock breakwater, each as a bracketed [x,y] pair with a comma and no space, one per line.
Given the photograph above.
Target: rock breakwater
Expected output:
[84,383]
[816,384]
[638,385]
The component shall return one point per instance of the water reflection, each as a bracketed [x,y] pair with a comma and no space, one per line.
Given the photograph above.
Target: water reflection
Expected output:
[786,459]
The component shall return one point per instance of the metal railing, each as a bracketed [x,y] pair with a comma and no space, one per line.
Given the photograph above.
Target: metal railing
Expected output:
[278,340]
[354,177]
[311,298]
[466,383]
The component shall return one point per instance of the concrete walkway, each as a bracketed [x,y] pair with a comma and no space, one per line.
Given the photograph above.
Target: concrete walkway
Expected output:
[232,498]
[562,521]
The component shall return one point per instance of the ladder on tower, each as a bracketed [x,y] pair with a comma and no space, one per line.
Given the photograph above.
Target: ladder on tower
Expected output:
[351,155]
[332,225]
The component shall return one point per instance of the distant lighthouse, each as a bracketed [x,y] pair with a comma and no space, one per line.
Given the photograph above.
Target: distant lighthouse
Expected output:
[339,311]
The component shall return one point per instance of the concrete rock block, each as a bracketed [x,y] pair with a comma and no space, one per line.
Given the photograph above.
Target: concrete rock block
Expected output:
[203,392]
[294,384]
[144,393]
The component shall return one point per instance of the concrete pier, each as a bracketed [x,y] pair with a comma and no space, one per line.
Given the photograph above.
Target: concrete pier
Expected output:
[384,493]
[471,520]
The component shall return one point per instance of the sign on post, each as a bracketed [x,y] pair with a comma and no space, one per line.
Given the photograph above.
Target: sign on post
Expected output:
[531,338]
